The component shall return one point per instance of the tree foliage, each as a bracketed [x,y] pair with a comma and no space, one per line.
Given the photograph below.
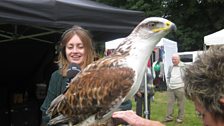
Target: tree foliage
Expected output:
[194,18]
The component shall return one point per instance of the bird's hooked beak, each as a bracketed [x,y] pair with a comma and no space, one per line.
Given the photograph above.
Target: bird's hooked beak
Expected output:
[173,27]
[170,26]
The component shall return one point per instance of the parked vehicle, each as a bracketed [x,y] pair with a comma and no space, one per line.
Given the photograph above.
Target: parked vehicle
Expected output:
[189,57]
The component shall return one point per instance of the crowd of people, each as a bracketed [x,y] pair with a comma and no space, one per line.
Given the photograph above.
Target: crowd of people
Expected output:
[202,82]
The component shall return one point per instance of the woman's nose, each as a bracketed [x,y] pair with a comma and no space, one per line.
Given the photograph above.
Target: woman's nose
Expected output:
[75,49]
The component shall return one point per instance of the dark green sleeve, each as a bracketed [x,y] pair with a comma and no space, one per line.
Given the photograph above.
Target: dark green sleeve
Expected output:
[54,89]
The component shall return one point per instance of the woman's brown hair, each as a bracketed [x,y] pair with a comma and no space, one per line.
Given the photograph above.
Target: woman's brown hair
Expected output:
[85,37]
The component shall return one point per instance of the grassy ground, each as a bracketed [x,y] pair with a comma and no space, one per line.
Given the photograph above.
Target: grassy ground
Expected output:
[159,106]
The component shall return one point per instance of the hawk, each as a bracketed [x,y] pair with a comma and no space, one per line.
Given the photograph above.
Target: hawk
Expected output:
[99,89]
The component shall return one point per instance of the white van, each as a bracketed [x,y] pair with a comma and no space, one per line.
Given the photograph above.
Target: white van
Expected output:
[189,57]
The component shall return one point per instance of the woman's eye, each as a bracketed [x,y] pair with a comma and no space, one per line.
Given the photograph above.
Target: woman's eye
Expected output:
[80,46]
[69,47]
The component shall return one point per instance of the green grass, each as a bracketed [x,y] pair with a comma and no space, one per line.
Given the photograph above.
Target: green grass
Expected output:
[159,107]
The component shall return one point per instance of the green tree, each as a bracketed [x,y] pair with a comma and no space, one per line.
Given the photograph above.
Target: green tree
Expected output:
[150,7]
[194,18]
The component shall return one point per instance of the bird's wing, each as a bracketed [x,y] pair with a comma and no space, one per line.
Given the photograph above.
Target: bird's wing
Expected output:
[95,92]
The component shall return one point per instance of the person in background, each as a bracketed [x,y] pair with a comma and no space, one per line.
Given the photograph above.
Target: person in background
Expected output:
[175,89]
[75,47]
[140,95]
[158,73]
[204,85]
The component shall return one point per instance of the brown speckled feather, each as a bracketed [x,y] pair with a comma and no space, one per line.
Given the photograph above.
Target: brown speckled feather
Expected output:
[95,92]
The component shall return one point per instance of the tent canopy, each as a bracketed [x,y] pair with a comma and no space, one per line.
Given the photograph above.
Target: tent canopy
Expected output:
[30,29]
[214,38]
[49,16]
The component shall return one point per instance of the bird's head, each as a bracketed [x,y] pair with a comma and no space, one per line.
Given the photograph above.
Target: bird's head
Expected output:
[154,26]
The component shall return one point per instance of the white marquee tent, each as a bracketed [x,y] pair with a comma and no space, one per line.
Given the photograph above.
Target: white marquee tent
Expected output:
[214,38]
[170,47]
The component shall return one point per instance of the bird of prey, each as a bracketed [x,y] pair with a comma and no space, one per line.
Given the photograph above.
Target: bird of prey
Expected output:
[99,89]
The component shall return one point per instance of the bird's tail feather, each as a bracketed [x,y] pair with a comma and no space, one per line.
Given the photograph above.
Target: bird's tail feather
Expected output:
[59,110]
[59,119]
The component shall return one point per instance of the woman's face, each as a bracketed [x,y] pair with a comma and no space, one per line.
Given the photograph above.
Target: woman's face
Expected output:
[207,117]
[75,50]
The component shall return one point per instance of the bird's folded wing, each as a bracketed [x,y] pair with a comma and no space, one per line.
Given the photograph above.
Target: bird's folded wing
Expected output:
[98,91]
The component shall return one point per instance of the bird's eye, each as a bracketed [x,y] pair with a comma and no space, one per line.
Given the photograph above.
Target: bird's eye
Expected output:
[152,24]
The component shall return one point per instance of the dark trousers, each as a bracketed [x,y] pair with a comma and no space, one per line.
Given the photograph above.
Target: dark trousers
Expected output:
[140,105]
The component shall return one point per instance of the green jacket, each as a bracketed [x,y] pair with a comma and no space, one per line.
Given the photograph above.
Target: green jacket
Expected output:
[56,86]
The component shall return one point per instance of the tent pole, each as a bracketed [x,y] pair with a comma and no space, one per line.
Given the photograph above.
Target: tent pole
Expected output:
[146,98]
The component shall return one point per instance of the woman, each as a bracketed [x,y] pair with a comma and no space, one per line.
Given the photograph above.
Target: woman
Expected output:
[75,47]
